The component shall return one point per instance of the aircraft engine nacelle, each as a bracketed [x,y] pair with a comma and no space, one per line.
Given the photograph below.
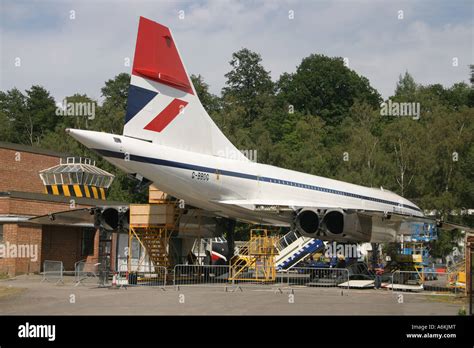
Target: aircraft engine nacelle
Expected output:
[307,222]
[334,225]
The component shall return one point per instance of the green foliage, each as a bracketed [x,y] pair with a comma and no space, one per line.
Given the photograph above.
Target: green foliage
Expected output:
[325,87]
[210,102]
[324,119]
[447,240]
[406,86]
[248,84]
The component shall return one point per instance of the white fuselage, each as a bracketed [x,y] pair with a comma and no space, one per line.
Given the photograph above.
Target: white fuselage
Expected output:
[209,182]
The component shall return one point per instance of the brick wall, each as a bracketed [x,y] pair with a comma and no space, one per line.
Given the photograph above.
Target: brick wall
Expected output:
[22,235]
[18,206]
[59,243]
[22,175]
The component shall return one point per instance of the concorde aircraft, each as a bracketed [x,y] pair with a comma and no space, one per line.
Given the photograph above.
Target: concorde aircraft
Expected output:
[170,140]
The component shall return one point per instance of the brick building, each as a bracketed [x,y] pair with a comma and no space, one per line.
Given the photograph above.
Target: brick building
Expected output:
[25,245]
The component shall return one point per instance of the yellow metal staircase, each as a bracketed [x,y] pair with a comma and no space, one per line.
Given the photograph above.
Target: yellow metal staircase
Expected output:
[256,259]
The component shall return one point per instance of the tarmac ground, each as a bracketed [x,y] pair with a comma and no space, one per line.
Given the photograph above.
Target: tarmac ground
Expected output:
[30,296]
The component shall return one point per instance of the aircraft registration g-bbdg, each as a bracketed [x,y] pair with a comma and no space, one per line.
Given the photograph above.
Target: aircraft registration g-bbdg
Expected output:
[170,140]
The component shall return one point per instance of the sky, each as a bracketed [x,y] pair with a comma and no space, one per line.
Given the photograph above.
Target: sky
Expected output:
[75,46]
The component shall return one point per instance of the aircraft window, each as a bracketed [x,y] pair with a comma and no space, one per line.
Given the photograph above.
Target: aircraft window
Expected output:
[117,140]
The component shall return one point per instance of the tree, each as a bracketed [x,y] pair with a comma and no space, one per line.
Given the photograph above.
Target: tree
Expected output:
[28,116]
[444,245]
[56,140]
[325,87]
[111,115]
[40,113]
[247,83]
[13,107]
[471,79]
[7,117]
[6,132]
[208,100]
[360,158]
[406,86]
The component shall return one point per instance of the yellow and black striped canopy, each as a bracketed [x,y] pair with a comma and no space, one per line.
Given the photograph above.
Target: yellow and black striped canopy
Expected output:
[76,190]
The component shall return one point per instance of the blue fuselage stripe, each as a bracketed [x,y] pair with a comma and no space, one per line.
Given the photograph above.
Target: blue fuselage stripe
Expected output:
[194,167]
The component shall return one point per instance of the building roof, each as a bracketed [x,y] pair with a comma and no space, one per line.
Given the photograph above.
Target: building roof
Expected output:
[31,149]
[76,170]
[58,199]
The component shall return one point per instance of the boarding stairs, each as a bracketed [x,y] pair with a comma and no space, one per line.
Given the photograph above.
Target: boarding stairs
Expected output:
[293,248]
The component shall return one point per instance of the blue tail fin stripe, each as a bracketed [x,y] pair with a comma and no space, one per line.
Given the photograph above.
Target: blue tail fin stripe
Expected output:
[138,97]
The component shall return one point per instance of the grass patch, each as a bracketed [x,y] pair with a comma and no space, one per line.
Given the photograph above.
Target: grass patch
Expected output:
[6,291]
[447,299]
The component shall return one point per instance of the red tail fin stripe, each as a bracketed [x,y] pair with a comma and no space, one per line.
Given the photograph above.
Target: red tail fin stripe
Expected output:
[166,116]
[157,58]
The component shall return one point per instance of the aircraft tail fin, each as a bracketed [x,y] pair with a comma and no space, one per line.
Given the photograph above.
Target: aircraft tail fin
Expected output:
[162,103]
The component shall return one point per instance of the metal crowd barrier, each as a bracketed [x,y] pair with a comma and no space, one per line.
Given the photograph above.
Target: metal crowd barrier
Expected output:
[86,272]
[53,271]
[212,275]
[435,282]
[155,277]
[201,275]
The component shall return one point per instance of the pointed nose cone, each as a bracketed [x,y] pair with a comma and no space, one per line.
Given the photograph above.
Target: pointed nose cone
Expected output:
[92,140]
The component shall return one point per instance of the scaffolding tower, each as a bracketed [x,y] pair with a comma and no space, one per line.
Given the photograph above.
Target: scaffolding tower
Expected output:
[152,225]
[414,254]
